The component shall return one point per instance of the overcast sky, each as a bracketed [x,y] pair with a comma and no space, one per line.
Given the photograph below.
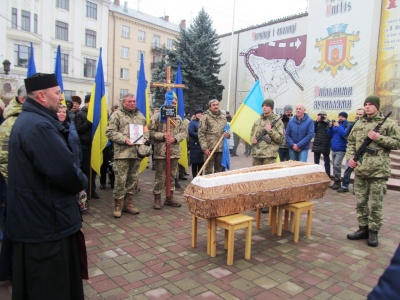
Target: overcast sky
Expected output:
[247,12]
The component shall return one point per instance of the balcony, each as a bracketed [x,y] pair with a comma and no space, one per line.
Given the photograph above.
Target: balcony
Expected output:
[156,47]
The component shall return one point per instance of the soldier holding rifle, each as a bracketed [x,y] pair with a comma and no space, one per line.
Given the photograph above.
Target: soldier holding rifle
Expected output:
[372,168]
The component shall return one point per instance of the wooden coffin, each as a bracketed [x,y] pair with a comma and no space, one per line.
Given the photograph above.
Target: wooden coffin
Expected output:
[235,191]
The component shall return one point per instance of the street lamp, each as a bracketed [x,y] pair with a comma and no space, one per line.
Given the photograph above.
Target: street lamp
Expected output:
[6,66]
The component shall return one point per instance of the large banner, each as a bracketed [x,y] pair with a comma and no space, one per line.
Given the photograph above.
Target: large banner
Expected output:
[342,43]
[388,74]
[274,55]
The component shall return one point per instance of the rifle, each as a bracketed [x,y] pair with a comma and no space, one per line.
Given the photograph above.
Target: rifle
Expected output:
[364,147]
[262,134]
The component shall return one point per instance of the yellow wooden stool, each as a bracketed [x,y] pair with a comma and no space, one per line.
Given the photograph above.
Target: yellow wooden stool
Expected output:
[271,218]
[210,232]
[296,209]
[230,224]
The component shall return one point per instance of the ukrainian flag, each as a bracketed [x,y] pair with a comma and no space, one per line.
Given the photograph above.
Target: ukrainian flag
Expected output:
[142,103]
[58,73]
[248,113]
[31,64]
[97,114]
[183,160]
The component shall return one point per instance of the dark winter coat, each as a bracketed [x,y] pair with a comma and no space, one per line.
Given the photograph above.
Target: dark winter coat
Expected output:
[196,154]
[322,140]
[43,179]
[300,132]
[83,126]
[339,136]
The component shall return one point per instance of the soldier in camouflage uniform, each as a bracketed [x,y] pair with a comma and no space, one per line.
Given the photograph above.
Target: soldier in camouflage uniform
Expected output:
[126,158]
[265,151]
[160,139]
[373,170]
[211,128]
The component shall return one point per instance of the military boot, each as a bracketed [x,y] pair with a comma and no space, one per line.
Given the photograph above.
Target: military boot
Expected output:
[118,208]
[372,238]
[157,201]
[361,233]
[171,202]
[177,185]
[336,185]
[128,207]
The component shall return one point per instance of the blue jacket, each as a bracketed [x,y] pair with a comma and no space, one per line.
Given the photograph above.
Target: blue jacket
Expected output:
[43,179]
[300,132]
[196,154]
[339,136]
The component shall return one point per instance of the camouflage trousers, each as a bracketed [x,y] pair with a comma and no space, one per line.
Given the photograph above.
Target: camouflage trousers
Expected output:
[126,174]
[263,161]
[372,191]
[214,164]
[159,181]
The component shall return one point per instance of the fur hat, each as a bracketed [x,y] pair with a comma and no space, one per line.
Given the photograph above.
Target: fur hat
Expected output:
[40,81]
[287,108]
[198,111]
[268,102]
[76,99]
[374,100]
[343,114]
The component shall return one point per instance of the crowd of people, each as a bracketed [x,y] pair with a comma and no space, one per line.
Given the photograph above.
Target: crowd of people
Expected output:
[43,221]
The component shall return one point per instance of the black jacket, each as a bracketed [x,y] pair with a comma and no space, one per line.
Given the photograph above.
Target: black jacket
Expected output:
[83,126]
[196,154]
[322,140]
[43,179]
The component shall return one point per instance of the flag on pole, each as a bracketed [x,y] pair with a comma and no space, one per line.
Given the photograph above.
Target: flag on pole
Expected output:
[58,73]
[142,103]
[248,113]
[183,160]
[31,64]
[97,114]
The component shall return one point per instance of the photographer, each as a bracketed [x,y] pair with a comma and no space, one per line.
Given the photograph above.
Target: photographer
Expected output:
[322,141]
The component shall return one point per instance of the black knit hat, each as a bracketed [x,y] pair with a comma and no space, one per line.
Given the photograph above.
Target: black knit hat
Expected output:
[198,111]
[268,102]
[374,100]
[40,81]
[87,98]
[343,114]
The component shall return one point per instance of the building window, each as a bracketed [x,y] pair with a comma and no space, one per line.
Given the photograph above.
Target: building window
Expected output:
[141,36]
[124,73]
[14,18]
[122,93]
[89,68]
[35,23]
[64,4]
[124,52]
[64,63]
[21,55]
[69,92]
[139,54]
[91,10]
[156,40]
[25,20]
[90,38]
[170,44]
[125,31]
[61,31]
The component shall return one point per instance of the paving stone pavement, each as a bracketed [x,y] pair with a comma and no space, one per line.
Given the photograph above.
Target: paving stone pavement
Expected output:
[149,255]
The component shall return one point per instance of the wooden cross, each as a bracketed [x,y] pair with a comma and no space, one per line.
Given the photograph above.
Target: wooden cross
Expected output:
[167,85]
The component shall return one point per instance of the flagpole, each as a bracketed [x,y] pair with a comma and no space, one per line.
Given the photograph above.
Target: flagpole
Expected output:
[231,57]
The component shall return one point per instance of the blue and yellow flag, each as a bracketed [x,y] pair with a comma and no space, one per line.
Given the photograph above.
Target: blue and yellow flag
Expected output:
[183,160]
[248,113]
[58,73]
[31,64]
[142,103]
[97,114]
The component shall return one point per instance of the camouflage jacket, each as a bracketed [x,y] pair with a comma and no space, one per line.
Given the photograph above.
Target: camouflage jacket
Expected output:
[118,131]
[373,166]
[157,130]
[211,128]
[276,136]
[10,114]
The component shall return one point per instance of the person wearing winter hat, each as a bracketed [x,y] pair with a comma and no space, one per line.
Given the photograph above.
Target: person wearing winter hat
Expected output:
[284,148]
[322,141]
[337,133]
[373,170]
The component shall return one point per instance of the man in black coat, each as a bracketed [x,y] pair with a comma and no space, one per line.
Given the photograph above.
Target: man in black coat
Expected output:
[43,215]
[322,141]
